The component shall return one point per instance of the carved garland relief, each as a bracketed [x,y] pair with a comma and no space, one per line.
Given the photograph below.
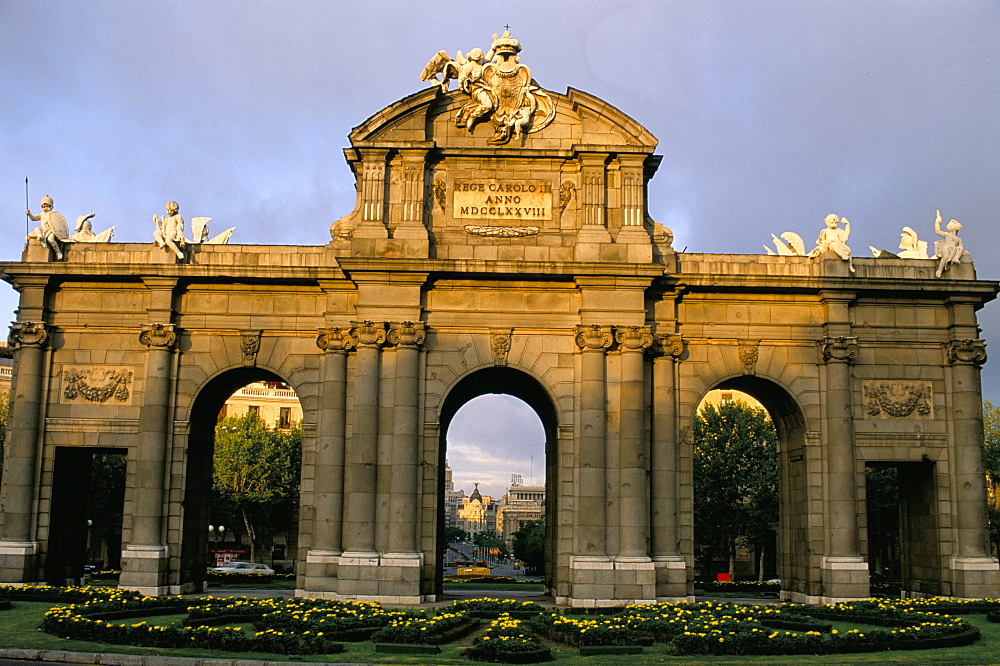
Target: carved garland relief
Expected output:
[98,384]
[898,399]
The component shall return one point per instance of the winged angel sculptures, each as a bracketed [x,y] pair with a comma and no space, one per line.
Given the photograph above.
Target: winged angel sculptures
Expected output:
[499,86]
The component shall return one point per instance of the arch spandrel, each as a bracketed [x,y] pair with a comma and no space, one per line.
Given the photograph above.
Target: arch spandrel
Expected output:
[444,371]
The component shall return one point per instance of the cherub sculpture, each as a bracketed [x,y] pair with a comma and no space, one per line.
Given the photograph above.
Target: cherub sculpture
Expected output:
[53,231]
[499,86]
[950,250]
[834,239]
[169,231]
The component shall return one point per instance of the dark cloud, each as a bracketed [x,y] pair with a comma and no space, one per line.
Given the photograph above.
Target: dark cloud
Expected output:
[770,114]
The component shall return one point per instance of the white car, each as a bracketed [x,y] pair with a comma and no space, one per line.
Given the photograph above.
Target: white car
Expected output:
[244,567]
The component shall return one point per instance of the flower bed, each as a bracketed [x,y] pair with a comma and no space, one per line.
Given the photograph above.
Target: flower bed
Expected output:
[442,628]
[493,608]
[84,622]
[342,620]
[507,641]
[307,626]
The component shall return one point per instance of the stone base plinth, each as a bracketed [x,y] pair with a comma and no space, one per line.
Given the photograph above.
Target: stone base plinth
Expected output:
[671,579]
[844,579]
[18,562]
[974,577]
[597,581]
[320,573]
[392,578]
[144,569]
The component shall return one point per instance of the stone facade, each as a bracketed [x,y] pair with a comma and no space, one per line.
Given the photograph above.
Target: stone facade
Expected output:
[530,268]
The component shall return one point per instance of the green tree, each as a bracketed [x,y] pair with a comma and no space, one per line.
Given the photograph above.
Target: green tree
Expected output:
[991,436]
[455,534]
[735,479]
[4,415]
[256,473]
[529,546]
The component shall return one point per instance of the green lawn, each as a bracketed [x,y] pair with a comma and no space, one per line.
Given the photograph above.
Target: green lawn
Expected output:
[18,628]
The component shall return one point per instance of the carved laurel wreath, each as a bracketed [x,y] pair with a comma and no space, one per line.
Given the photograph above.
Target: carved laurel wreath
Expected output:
[878,400]
[115,385]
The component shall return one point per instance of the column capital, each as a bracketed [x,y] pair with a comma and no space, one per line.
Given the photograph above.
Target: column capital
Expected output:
[368,333]
[24,333]
[842,348]
[671,345]
[633,338]
[334,340]
[407,334]
[966,352]
[163,336]
[594,337]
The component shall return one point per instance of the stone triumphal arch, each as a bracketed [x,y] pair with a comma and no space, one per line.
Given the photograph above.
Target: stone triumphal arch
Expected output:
[501,241]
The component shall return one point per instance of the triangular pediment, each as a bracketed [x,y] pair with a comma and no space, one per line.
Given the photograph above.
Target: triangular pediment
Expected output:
[428,118]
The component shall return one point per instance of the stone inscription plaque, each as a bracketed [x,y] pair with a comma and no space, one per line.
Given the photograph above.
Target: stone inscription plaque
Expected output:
[496,199]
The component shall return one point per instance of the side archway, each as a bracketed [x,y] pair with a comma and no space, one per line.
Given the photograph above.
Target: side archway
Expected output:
[194,508]
[795,539]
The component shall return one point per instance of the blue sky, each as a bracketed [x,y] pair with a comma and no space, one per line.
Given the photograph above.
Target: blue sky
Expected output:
[770,113]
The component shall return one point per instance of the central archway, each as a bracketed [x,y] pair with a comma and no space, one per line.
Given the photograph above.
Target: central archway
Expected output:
[502,380]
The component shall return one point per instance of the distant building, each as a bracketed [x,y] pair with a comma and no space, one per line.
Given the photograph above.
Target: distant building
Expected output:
[453,499]
[6,364]
[478,513]
[276,404]
[522,504]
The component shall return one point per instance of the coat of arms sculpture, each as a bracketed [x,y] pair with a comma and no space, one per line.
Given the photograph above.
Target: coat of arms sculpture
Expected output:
[499,86]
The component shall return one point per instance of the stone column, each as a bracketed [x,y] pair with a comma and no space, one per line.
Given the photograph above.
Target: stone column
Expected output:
[407,337]
[399,568]
[592,485]
[361,450]
[633,501]
[671,569]
[328,491]
[974,569]
[144,559]
[18,546]
[845,573]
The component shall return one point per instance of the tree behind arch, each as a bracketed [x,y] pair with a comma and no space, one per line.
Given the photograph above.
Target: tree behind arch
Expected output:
[256,471]
[735,479]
